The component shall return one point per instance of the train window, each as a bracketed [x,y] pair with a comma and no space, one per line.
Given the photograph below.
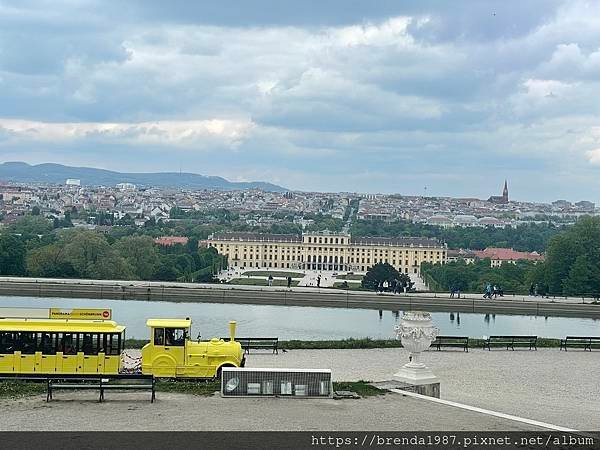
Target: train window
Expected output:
[25,342]
[88,343]
[113,343]
[175,336]
[67,343]
[7,343]
[159,336]
[47,343]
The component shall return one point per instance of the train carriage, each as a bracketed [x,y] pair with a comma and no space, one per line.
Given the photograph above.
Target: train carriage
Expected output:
[60,346]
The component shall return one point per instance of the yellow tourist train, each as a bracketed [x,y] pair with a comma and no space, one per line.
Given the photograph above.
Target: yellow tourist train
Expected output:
[88,347]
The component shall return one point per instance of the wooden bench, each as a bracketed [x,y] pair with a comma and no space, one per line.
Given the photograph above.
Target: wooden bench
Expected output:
[261,343]
[511,341]
[120,382]
[451,341]
[580,341]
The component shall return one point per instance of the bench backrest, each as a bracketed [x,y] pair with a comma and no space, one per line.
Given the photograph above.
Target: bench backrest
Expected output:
[512,337]
[452,337]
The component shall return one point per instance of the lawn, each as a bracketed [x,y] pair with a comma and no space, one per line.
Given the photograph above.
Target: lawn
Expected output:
[352,276]
[260,282]
[258,273]
[18,388]
[351,286]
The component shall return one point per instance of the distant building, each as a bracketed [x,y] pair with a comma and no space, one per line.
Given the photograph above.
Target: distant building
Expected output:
[468,256]
[440,221]
[499,256]
[167,241]
[326,251]
[126,187]
[73,182]
[584,205]
[502,200]
[491,222]
[562,204]
[465,220]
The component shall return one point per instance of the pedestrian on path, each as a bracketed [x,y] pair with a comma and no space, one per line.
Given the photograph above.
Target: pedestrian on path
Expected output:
[270,280]
[318,281]
[289,282]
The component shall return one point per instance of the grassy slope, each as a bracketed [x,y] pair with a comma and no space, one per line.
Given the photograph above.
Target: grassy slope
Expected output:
[353,343]
[274,273]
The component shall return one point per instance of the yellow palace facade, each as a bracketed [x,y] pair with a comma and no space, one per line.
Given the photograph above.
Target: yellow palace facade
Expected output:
[338,252]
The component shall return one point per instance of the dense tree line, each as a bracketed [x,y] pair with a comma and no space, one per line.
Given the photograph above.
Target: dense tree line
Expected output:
[512,278]
[30,247]
[531,237]
[571,267]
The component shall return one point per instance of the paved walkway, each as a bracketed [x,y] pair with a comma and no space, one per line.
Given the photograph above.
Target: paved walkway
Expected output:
[524,298]
[547,385]
[80,411]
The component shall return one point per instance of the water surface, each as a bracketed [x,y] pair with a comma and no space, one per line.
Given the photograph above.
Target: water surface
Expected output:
[299,322]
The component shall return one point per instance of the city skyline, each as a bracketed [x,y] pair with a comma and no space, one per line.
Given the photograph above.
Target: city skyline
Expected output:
[416,99]
[260,184]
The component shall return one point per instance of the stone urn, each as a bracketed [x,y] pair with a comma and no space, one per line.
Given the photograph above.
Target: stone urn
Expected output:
[416,332]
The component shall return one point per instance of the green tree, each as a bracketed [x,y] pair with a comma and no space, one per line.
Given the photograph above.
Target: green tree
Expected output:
[580,240]
[92,256]
[31,226]
[12,255]
[140,253]
[583,278]
[379,273]
[50,262]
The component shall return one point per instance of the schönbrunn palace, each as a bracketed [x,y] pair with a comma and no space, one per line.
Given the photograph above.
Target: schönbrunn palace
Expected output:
[326,251]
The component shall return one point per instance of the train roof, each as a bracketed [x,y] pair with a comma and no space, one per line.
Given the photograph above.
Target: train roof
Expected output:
[65,325]
[169,323]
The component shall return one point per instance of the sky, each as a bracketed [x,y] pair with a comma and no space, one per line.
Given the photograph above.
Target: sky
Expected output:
[427,98]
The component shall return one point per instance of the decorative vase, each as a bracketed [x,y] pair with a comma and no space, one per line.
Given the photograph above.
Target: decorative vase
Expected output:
[416,332]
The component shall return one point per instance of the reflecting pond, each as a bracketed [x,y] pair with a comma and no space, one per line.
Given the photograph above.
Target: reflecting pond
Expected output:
[295,322]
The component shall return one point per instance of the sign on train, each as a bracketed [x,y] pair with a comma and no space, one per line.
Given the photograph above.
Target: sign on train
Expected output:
[81,313]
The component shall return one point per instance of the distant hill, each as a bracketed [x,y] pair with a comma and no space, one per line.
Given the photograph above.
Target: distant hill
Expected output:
[57,174]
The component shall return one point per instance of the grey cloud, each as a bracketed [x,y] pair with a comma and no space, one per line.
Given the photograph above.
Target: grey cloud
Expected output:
[459,92]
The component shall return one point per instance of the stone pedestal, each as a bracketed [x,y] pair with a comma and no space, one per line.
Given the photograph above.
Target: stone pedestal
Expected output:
[416,332]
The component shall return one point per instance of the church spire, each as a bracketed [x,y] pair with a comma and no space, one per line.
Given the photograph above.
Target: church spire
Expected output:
[505,191]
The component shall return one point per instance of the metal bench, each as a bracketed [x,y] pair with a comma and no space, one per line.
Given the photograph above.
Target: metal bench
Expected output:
[580,341]
[260,343]
[511,341]
[118,382]
[451,341]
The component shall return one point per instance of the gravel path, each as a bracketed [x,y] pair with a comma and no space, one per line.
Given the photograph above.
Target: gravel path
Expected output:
[562,388]
[171,412]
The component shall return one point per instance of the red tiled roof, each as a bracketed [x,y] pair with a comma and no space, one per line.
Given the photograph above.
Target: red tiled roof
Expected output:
[508,254]
[171,240]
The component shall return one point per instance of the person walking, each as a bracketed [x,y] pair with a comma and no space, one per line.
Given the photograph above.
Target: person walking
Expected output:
[289,282]
[318,281]
[270,280]
[495,291]
[452,291]
[488,291]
